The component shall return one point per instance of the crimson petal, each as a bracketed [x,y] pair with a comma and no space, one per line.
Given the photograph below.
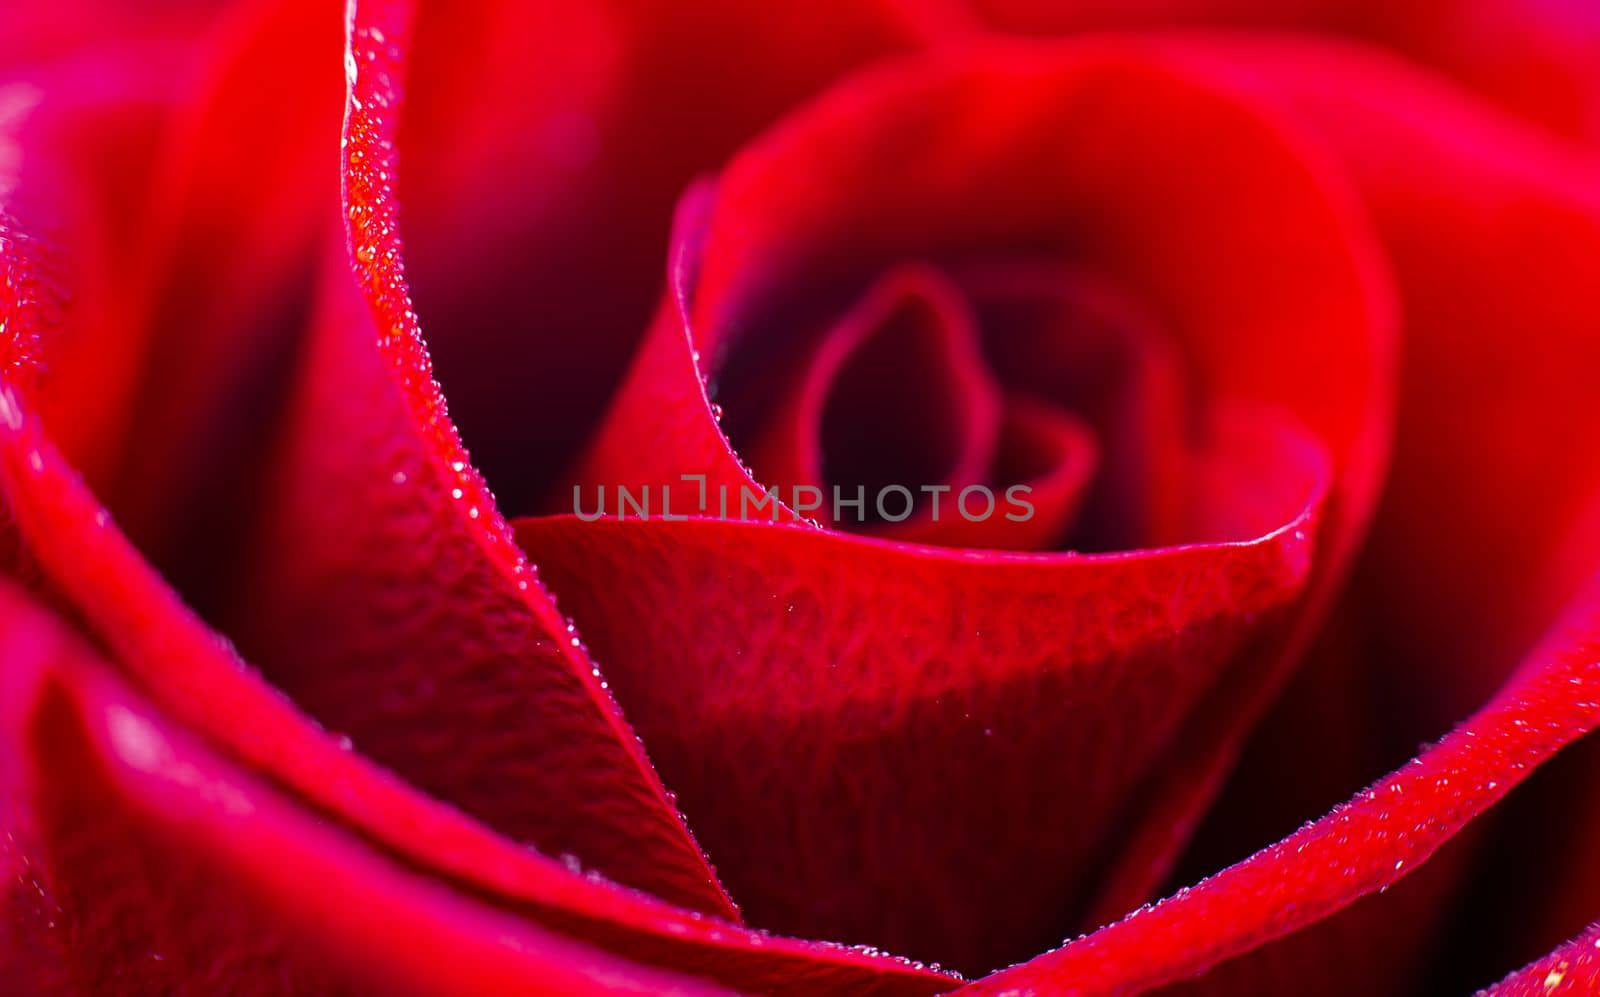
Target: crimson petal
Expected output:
[1537,58]
[387,596]
[1071,336]
[1574,968]
[63,542]
[1367,844]
[1051,452]
[894,393]
[798,224]
[1493,231]
[545,143]
[137,859]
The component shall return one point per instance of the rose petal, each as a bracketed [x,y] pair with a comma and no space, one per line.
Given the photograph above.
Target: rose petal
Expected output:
[544,144]
[1044,448]
[799,224]
[218,293]
[386,596]
[1364,846]
[136,859]
[1574,968]
[177,198]
[777,263]
[204,685]
[1484,223]
[56,535]
[1537,58]
[39,34]
[66,124]
[1069,335]
[1493,232]
[860,730]
[894,393]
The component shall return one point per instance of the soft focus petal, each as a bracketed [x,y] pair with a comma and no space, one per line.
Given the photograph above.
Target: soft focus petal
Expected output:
[41,33]
[1537,58]
[1493,232]
[1377,838]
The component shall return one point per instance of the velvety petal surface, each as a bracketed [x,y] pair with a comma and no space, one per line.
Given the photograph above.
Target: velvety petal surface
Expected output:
[136,859]
[386,595]
[877,669]
[1362,847]
[65,544]
[960,755]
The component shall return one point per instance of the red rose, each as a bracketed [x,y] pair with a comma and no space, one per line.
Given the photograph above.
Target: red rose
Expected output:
[1067,450]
